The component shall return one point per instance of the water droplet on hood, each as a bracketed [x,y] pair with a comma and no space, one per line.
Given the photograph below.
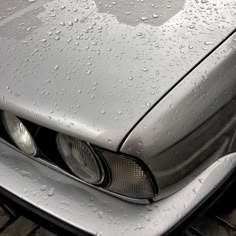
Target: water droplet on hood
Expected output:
[43,187]
[143,18]
[154,15]
[43,40]
[102,111]
[51,192]
[139,34]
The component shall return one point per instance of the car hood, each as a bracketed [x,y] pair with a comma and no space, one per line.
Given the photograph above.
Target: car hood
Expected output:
[94,68]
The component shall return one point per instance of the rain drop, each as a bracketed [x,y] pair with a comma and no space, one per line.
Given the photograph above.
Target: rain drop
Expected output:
[102,111]
[51,192]
[56,67]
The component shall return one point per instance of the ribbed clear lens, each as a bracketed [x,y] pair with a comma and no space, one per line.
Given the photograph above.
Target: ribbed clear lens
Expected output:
[128,177]
[80,158]
[19,134]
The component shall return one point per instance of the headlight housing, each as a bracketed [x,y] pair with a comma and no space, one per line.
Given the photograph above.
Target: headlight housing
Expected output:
[126,175]
[19,133]
[123,176]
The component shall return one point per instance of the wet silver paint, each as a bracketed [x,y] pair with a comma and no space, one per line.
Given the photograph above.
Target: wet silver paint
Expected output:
[203,92]
[132,13]
[200,95]
[97,212]
[91,70]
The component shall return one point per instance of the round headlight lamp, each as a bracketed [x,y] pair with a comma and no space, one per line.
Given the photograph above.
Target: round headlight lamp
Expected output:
[81,159]
[19,133]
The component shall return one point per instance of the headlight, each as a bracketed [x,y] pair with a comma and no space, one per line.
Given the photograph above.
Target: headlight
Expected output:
[19,134]
[81,159]
[125,175]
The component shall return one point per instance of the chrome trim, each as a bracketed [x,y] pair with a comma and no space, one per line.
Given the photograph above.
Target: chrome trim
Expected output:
[97,212]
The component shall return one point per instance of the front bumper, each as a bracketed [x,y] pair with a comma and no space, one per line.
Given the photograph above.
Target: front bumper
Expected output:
[86,210]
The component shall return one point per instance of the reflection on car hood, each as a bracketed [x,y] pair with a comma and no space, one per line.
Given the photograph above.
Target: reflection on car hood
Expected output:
[93,68]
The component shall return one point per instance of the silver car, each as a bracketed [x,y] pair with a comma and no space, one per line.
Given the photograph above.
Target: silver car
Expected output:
[117,117]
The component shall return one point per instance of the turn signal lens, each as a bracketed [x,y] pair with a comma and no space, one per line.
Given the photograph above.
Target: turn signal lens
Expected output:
[128,177]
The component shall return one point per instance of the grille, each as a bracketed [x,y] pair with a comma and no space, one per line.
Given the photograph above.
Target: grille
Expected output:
[14,224]
[209,225]
[220,220]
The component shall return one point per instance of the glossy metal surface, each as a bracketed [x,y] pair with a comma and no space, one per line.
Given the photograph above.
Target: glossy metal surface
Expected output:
[194,100]
[97,212]
[92,69]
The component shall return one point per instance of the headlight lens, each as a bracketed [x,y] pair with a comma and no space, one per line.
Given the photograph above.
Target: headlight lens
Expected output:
[19,134]
[81,159]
